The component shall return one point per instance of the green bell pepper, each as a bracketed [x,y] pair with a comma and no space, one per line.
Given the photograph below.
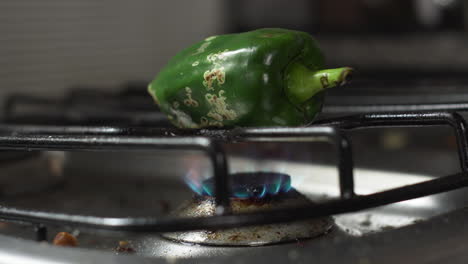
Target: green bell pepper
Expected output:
[265,77]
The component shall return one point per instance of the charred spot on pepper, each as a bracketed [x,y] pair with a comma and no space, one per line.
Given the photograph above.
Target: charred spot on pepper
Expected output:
[209,123]
[219,108]
[324,81]
[190,101]
[210,76]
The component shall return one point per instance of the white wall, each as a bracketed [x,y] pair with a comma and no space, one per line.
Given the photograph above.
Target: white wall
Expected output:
[49,45]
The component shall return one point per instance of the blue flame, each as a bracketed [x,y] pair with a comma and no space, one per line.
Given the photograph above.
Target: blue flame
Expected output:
[263,193]
[194,181]
[245,185]
[194,187]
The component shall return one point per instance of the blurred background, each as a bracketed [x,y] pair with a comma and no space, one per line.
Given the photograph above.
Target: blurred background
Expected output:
[49,45]
[89,62]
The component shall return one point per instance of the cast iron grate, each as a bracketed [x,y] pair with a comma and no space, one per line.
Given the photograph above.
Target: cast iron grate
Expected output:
[334,131]
[35,129]
[130,104]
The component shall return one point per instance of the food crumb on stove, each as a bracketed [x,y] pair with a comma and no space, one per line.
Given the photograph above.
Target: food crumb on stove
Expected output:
[123,243]
[124,247]
[65,239]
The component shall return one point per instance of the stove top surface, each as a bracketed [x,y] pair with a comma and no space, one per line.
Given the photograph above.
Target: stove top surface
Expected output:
[108,190]
[430,229]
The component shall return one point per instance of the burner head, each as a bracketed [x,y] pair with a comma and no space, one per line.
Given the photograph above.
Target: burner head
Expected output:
[247,185]
[251,192]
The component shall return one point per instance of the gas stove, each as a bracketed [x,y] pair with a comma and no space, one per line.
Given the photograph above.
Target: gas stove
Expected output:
[116,176]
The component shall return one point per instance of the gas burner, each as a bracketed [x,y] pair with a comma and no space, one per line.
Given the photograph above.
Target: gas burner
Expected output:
[250,192]
[254,185]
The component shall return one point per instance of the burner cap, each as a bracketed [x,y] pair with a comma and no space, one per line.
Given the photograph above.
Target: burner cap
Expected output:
[202,206]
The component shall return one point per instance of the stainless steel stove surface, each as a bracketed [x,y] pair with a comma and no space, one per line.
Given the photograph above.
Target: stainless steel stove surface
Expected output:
[133,184]
[129,184]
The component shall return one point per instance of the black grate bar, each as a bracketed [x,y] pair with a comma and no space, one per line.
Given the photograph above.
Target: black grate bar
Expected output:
[333,207]
[208,140]
[68,130]
[99,142]
[284,134]
[87,142]
[221,176]
[386,108]
[41,232]
[66,141]
[309,134]
[454,120]
[113,138]
[345,167]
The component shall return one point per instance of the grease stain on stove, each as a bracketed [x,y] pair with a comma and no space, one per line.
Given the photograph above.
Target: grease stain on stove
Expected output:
[387,227]
[212,235]
[366,222]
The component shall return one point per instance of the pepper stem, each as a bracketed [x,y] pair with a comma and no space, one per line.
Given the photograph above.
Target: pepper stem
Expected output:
[303,83]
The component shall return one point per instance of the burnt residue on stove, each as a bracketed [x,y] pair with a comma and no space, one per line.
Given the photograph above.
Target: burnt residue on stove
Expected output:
[124,247]
[250,192]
